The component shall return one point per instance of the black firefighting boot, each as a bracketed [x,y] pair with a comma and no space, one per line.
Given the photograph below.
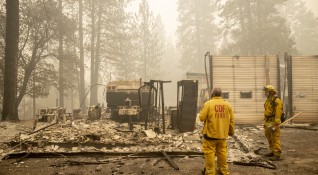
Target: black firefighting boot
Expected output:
[269,154]
[203,171]
[275,158]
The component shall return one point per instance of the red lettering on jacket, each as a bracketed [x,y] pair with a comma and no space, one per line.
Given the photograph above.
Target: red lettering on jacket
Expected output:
[219,108]
[219,111]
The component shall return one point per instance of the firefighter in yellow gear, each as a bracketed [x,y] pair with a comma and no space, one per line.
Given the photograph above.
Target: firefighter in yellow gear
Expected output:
[272,118]
[218,118]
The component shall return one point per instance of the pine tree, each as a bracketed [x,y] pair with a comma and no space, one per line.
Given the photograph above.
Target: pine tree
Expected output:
[255,27]
[116,47]
[197,32]
[150,47]
[304,26]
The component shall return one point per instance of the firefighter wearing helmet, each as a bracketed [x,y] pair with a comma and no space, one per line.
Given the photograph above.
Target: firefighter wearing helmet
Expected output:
[272,118]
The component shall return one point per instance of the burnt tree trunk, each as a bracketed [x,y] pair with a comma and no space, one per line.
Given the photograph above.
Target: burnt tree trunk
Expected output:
[10,108]
[97,49]
[81,64]
[61,57]
[92,96]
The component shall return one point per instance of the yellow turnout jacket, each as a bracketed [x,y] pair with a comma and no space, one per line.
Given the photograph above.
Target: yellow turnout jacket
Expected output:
[273,111]
[218,118]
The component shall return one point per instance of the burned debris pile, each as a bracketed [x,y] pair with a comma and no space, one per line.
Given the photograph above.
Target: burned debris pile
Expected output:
[110,137]
[101,135]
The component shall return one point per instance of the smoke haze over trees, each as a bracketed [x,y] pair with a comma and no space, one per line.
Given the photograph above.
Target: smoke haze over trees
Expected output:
[66,48]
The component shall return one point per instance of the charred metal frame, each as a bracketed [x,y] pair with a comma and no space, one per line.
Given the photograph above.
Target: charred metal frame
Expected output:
[290,86]
[151,84]
[180,107]
[278,76]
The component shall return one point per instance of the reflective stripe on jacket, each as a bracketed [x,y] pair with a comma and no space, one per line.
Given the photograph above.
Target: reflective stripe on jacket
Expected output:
[218,118]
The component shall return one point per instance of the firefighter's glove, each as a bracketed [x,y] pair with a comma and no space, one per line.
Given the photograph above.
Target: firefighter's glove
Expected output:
[274,127]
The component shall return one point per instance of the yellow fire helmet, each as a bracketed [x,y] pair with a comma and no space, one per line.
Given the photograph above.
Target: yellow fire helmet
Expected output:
[269,88]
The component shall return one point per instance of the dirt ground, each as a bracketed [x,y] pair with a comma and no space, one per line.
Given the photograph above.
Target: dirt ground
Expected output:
[300,157]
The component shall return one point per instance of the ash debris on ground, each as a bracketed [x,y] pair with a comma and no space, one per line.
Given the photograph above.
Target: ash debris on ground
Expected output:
[107,147]
[115,136]
[110,136]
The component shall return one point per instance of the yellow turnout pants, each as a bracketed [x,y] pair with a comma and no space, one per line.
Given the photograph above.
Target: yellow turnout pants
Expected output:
[210,149]
[273,138]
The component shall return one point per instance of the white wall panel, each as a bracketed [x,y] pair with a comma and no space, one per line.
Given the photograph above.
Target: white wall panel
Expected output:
[244,74]
[305,88]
